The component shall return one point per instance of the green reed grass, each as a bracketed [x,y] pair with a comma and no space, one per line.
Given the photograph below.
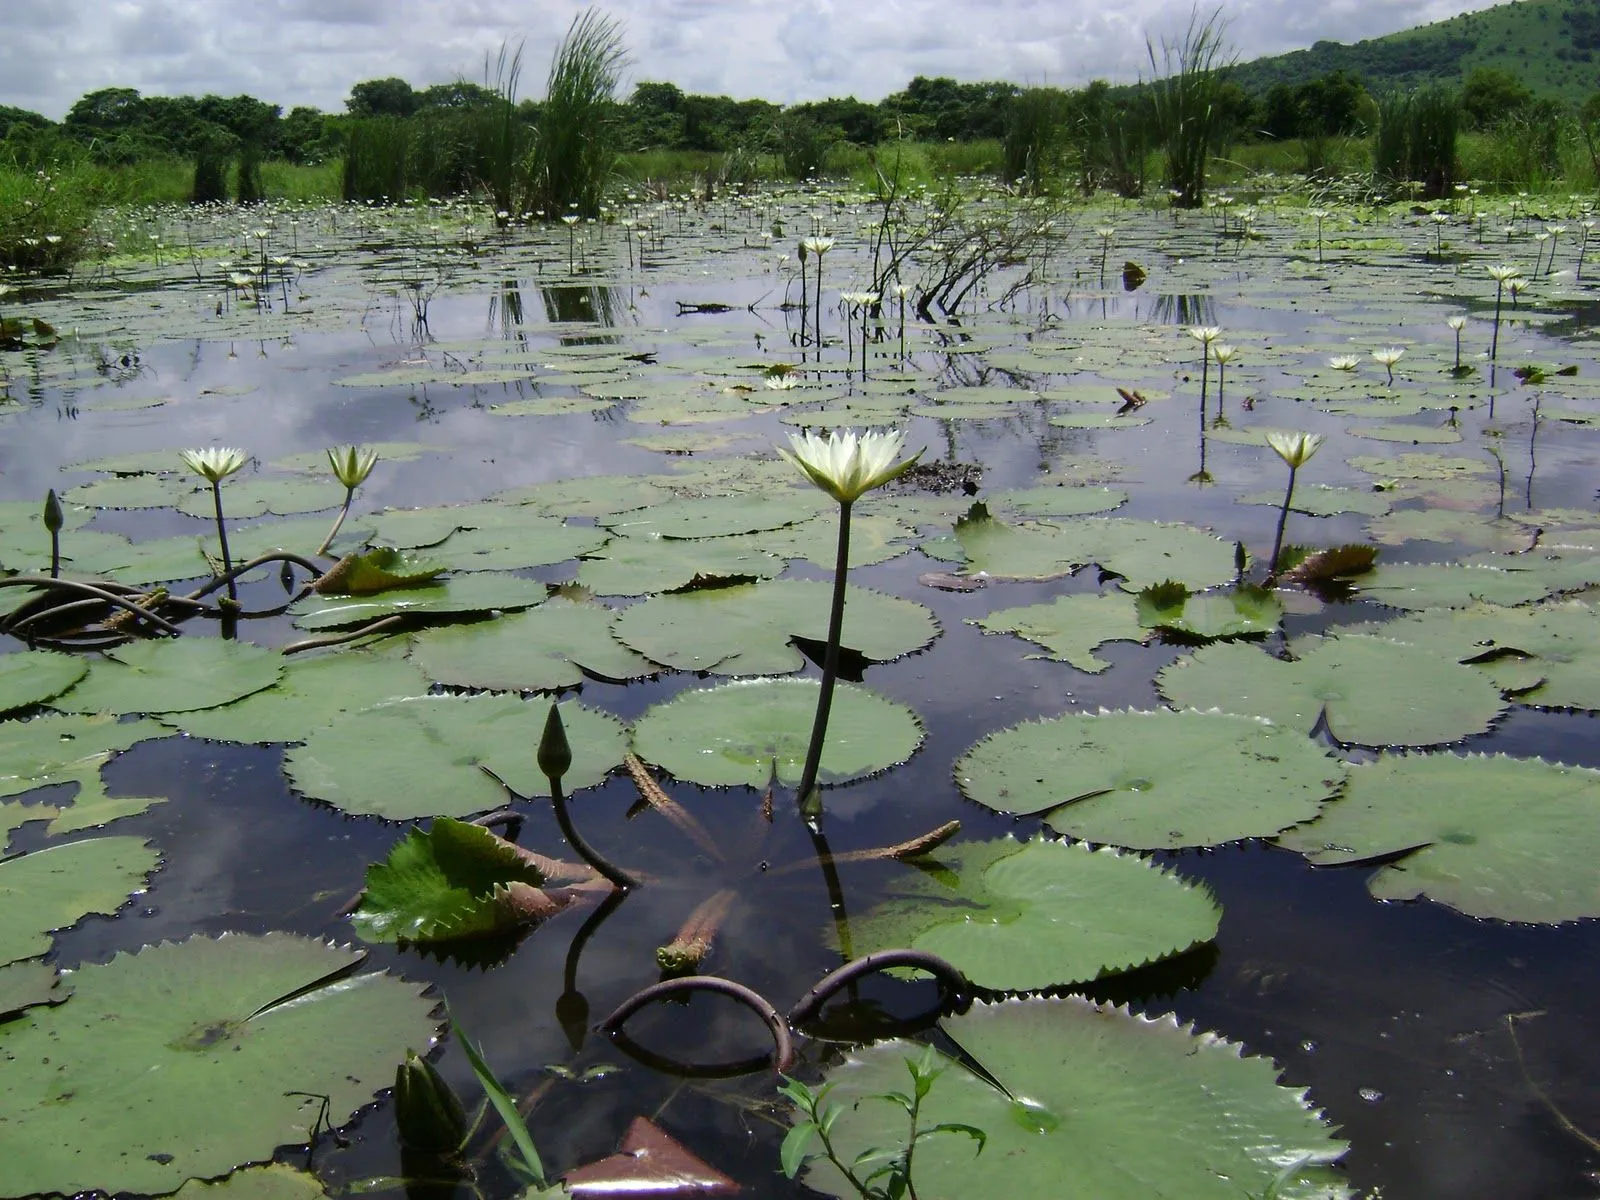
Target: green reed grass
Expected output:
[576,144]
[1186,103]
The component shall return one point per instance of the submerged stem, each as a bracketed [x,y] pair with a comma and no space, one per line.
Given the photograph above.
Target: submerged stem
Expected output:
[344,511]
[830,663]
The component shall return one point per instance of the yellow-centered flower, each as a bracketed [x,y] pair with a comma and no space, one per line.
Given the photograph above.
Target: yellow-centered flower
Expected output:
[352,464]
[214,463]
[847,465]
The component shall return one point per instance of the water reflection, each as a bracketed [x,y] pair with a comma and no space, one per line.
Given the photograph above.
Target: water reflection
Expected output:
[1183,309]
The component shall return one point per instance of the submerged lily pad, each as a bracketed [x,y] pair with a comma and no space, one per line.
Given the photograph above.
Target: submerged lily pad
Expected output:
[1371,691]
[1510,838]
[546,648]
[428,756]
[173,676]
[189,1059]
[1023,916]
[53,888]
[1103,1105]
[1070,627]
[749,629]
[1152,780]
[733,734]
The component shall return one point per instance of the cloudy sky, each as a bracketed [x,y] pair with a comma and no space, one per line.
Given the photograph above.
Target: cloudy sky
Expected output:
[310,51]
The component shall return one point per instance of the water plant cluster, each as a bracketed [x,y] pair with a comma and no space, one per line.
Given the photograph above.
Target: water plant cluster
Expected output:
[557,567]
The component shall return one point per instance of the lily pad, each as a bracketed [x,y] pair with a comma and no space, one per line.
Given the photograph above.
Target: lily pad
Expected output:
[53,888]
[547,648]
[1024,916]
[314,690]
[56,749]
[429,756]
[1243,611]
[1070,627]
[748,629]
[1450,585]
[172,676]
[718,516]
[456,880]
[189,1059]
[733,734]
[25,984]
[1152,780]
[1371,691]
[258,497]
[1102,1105]
[1492,836]
[377,570]
[34,676]
[478,592]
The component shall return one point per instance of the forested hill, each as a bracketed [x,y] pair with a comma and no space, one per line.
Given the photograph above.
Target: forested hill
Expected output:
[1551,46]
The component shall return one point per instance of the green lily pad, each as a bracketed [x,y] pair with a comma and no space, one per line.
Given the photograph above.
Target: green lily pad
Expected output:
[1450,585]
[91,814]
[137,491]
[172,676]
[26,984]
[456,880]
[1103,1105]
[34,676]
[274,1181]
[1024,916]
[315,690]
[718,516]
[732,734]
[638,566]
[534,541]
[429,756]
[189,1059]
[547,648]
[748,629]
[1552,648]
[1371,691]
[1320,500]
[1443,525]
[55,749]
[1514,839]
[1057,500]
[376,570]
[55,887]
[1243,611]
[1152,780]
[1070,627]
[478,592]
[258,497]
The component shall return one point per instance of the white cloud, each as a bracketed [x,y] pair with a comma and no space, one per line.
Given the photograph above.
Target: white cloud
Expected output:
[311,51]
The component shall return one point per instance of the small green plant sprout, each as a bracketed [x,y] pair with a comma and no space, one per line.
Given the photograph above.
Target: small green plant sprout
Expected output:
[847,466]
[879,1172]
[54,518]
[1344,362]
[1296,450]
[1223,354]
[214,464]
[1457,322]
[522,1156]
[1205,335]
[351,466]
[1502,274]
[1387,357]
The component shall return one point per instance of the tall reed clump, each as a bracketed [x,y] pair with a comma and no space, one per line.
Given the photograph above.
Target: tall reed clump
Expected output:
[210,173]
[1186,103]
[502,139]
[1035,138]
[247,187]
[1416,140]
[577,141]
[376,159]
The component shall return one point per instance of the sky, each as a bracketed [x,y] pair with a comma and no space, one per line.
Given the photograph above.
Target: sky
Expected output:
[293,52]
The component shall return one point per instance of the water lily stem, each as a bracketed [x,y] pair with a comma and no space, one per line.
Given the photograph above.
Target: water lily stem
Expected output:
[222,536]
[338,524]
[1283,519]
[588,853]
[830,669]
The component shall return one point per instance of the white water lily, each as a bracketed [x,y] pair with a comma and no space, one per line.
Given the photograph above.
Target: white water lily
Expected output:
[1456,321]
[847,465]
[1388,356]
[1344,362]
[1223,353]
[1295,449]
[215,463]
[817,245]
[1205,334]
[352,464]
[1503,272]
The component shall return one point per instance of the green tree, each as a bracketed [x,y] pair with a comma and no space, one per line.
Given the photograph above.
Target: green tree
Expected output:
[1490,95]
[389,97]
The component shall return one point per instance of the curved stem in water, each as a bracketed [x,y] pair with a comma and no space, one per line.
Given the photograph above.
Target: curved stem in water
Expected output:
[344,511]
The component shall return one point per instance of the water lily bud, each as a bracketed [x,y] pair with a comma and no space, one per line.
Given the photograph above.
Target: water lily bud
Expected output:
[54,518]
[555,755]
[429,1115]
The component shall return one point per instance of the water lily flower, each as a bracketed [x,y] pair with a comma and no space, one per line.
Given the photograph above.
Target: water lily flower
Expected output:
[1205,334]
[847,465]
[352,464]
[817,245]
[215,463]
[1295,449]
[1223,353]
[1456,321]
[1387,357]
[1344,362]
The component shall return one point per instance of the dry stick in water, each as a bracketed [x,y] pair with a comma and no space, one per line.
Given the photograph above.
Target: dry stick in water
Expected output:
[650,791]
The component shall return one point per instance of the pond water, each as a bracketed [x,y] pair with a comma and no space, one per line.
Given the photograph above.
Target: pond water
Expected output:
[1456,1054]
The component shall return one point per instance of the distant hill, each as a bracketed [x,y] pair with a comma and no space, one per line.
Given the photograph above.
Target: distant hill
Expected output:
[1552,46]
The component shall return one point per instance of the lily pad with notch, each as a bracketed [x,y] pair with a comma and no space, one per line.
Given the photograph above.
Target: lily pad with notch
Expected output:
[172,676]
[1071,627]
[1238,612]
[476,592]
[53,888]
